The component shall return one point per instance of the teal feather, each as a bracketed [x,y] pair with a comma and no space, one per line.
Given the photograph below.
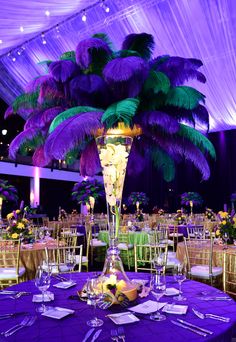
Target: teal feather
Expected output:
[164,162]
[156,82]
[185,97]
[122,111]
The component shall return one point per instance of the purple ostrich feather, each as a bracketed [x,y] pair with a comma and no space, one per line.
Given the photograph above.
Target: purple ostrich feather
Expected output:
[39,158]
[89,160]
[63,70]
[83,56]
[20,139]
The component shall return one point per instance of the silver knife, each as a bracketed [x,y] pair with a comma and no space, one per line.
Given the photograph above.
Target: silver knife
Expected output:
[95,336]
[188,328]
[195,326]
[4,316]
[88,334]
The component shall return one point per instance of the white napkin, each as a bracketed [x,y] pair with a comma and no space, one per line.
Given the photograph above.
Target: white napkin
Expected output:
[64,284]
[57,312]
[171,291]
[175,309]
[147,307]
[48,297]
[123,318]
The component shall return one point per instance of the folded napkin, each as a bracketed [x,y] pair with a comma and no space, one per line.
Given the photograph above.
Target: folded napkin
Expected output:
[57,312]
[147,307]
[175,309]
[48,297]
[123,318]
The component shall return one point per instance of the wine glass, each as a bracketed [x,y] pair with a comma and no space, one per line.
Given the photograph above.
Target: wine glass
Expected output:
[70,260]
[179,272]
[94,293]
[42,282]
[159,261]
[225,238]
[158,290]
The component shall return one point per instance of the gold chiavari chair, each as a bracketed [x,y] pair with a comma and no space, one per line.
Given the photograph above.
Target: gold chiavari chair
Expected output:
[199,254]
[95,244]
[196,231]
[144,255]
[85,258]
[10,270]
[69,236]
[45,221]
[125,247]
[56,258]
[229,272]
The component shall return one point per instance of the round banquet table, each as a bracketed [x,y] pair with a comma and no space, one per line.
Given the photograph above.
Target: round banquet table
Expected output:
[73,327]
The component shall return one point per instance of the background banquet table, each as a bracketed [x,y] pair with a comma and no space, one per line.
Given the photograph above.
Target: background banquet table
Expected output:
[73,328]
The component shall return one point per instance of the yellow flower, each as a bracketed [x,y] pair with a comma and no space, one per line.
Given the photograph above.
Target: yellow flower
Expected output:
[217,232]
[224,222]
[14,235]
[20,225]
[24,220]
[9,216]
[18,211]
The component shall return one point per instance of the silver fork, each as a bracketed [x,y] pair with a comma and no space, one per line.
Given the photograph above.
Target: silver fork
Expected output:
[202,316]
[18,295]
[121,333]
[114,335]
[27,324]
[25,320]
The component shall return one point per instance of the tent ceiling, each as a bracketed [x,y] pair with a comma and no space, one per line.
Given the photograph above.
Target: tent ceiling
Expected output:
[204,29]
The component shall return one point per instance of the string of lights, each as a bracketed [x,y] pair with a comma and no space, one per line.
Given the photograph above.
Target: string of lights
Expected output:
[19,49]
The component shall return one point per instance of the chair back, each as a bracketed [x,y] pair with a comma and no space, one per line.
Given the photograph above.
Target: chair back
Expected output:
[196,232]
[229,272]
[56,258]
[144,255]
[199,252]
[9,259]
[69,236]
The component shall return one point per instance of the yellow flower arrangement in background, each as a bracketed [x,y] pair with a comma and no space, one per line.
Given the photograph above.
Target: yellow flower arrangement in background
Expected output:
[19,227]
[227,226]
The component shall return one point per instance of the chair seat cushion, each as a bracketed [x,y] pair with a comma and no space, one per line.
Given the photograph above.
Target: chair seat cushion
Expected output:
[84,259]
[10,273]
[125,246]
[176,234]
[202,271]
[97,243]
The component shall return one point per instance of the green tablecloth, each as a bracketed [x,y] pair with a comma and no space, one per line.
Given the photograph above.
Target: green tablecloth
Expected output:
[135,238]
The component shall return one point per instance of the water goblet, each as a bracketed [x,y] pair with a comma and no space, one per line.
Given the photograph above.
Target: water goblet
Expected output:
[42,282]
[158,290]
[159,261]
[94,294]
[70,260]
[179,272]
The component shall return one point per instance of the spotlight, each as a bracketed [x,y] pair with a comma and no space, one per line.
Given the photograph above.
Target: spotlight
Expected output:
[1,41]
[105,7]
[84,16]
[47,13]
[21,29]
[44,42]
[4,131]
[13,59]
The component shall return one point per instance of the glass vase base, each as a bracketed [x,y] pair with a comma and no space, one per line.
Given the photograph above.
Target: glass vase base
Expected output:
[95,322]
[157,317]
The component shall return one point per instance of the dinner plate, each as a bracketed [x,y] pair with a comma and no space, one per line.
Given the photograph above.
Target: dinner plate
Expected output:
[58,312]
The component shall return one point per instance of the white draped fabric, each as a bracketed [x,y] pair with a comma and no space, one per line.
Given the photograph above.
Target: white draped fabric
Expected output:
[204,29]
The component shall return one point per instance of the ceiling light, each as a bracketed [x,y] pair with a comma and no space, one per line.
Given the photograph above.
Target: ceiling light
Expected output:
[47,13]
[21,29]
[13,59]
[44,42]
[0,41]
[4,131]
[104,6]
[84,16]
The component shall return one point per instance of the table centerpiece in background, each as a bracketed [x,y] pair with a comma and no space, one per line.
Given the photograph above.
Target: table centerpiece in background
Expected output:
[7,193]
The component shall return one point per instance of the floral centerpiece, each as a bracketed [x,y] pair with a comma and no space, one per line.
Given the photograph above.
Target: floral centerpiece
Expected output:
[7,193]
[62,215]
[19,227]
[82,191]
[227,226]
[188,198]
[139,216]
[209,214]
[179,217]
[138,199]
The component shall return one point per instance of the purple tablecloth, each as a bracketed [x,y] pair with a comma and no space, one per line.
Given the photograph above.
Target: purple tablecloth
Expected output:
[74,327]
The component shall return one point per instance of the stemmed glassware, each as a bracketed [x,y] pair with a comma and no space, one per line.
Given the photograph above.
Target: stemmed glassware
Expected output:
[42,282]
[179,272]
[159,261]
[94,293]
[158,290]
[70,260]
[225,238]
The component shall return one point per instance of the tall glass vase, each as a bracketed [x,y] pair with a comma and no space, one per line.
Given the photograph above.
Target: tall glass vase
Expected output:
[113,152]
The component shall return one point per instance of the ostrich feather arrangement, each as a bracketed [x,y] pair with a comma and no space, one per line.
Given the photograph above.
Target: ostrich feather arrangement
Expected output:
[98,88]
